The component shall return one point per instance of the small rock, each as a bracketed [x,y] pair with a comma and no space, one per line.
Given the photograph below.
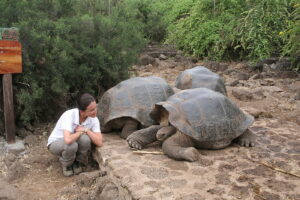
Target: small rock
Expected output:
[16,171]
[10,159]
[145,60]
[229,71]
[178,58]
[252,111]
[31,140]
[23,132]
[233,82]
[267,82]
[223,67]
[15,148]
[242,93]
[242,76]
[285,95]
[86,179]
[297,96]
[193,59]
[255,76]
[271,89]
[110,192]
[268,74]
[287,74]
[258,94]
[163,57]
[84,197]
[45,133]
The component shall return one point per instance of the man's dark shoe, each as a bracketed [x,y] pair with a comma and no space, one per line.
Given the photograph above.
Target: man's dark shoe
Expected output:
[68,171]
[77,167]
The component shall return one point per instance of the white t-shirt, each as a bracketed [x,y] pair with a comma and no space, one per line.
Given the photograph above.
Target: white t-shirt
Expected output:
[69,120]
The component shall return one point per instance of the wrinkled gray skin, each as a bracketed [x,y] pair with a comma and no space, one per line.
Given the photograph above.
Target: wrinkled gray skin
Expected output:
[126,106]
[199,77]
[195,119]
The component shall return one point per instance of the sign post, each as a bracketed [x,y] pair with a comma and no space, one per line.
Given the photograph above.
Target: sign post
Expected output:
[10,62]
[9,116]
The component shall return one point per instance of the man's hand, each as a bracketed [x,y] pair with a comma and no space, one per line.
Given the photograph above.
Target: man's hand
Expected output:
[80,129]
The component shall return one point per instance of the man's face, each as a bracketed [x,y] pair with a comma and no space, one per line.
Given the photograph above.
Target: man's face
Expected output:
[91,110]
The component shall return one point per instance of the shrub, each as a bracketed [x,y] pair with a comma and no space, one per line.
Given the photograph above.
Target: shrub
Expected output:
[69,46]
[291,35]
[205,29]
[234,29]
[258,29]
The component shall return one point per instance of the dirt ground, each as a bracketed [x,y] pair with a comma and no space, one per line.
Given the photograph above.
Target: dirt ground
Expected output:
[267,93]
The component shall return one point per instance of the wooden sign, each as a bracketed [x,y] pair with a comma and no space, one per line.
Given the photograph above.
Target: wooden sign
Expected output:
[9,34]
[10,57]
[10,51]
[10,62]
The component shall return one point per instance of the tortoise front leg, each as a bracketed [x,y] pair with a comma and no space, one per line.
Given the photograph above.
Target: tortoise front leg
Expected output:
[247,139]
[141,138]
[180,147]
[129,127]
[106,129]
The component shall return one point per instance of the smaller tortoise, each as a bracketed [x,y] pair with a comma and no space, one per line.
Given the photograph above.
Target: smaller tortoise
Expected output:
[195,118]
[199,77]
[126,106]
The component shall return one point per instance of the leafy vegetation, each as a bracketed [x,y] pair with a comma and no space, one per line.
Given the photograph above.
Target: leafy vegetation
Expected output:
[234,29]
[71,46]
[291,35]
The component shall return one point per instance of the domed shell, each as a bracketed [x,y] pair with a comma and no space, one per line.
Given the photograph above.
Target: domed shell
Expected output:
[205,115]
[133,98]
[199,77]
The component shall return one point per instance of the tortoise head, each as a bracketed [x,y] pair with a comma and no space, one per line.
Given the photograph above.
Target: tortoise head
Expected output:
[164,117]
[160,115]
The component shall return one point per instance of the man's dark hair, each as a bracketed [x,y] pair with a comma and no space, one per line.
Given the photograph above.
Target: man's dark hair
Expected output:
[84,101]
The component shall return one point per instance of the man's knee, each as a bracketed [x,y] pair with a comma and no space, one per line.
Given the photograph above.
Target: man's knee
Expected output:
[84,141]
[71,147]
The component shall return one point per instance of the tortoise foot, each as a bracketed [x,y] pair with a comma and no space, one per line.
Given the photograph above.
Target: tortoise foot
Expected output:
[134,144]
[190,154]
[139,139]
[247,139]
[245,142]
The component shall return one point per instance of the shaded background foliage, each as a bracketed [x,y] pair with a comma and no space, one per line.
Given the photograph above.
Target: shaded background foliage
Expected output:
[70,46]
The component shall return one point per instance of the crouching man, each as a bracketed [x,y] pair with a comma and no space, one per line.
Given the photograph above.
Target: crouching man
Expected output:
[74,133]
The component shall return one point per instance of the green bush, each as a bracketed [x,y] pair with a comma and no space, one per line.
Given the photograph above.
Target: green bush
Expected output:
[87,45]
[205,29]
[69,46]
[291,35]
[234,29]
[150,14]
[259,27]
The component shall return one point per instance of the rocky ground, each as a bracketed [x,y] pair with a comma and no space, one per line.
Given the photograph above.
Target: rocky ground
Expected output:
[268,171]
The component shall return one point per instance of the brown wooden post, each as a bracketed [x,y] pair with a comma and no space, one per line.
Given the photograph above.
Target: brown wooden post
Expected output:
[9,116]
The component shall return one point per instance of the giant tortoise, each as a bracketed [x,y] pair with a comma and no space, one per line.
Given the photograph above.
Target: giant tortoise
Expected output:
[195,118]
[126,106]
[198,77]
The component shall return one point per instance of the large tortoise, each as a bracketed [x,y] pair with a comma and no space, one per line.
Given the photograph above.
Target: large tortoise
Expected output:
[195,118]
[126,106]
[198,77]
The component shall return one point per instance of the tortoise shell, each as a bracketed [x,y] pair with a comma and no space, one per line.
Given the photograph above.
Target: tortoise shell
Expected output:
[198,77]
[205,115]
[133,98]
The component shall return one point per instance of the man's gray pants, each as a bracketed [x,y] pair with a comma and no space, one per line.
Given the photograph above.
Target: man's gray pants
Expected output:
[68,153]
